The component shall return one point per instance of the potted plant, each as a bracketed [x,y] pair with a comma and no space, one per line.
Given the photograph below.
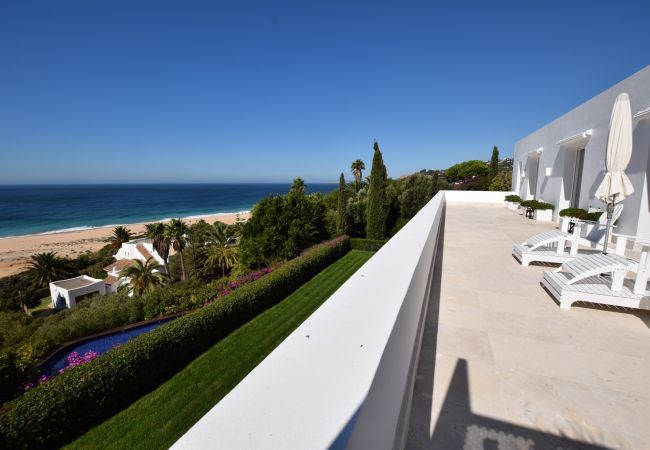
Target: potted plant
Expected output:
[512,202]
[568,215]
[543,211]
[538,210]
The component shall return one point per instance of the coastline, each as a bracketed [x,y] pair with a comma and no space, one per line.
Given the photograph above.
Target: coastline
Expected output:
[15,251]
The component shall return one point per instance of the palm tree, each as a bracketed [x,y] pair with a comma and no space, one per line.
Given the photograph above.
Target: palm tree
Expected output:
[224,233]
[221,248]
[176,231]
[357,170]
[119,236]
[47,267]
[220,255]
[160,241]
[144,277]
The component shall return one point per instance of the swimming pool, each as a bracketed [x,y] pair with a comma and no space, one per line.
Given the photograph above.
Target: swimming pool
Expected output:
[100,344]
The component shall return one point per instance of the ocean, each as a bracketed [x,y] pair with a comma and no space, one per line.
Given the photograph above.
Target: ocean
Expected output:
[54,208]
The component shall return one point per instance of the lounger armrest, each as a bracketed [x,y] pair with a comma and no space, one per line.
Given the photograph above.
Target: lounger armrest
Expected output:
[641,240]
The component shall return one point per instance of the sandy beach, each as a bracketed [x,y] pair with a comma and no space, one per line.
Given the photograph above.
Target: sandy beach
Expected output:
[16,251]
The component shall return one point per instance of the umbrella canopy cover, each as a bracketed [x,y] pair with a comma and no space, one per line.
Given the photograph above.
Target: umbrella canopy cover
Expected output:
[616,185]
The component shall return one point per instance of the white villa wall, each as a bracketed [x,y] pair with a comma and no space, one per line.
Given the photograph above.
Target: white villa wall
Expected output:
[128,250]
[70,295]
[593,115]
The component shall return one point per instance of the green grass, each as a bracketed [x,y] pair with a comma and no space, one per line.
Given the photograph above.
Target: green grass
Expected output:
[44,304]
[159,418]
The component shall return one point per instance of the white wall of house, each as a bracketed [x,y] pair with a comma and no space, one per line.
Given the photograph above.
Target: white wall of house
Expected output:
[129,250]
[545,161]
[70,295]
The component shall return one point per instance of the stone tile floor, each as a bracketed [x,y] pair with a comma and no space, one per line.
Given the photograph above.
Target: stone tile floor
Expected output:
[502,366]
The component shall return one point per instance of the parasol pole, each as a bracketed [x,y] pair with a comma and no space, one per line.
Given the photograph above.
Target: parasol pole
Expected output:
[610,214]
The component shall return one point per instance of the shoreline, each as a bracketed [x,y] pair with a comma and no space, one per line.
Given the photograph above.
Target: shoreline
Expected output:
[113,225]
[15,251]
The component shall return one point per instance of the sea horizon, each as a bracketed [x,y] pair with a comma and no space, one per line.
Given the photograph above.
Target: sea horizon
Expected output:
[38,209]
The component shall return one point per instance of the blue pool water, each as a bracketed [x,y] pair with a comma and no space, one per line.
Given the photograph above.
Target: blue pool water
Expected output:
[100,345]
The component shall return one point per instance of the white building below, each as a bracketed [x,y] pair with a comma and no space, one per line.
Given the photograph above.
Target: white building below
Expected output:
[67,293]
[137,249]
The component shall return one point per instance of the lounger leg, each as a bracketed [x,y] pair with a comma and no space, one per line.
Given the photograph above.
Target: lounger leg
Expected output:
[643,273]
[617,280]
[560,246]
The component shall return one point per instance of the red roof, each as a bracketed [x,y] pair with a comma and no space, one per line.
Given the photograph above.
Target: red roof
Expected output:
[119,265]
[144,252]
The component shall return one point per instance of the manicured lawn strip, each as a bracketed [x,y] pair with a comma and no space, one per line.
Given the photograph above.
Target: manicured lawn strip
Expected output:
[158,419]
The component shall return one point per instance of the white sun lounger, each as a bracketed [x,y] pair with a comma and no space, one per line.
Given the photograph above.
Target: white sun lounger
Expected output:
[550,246]
[582,280]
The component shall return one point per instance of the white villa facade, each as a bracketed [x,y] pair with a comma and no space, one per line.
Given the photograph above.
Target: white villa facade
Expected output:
[67,293]
[137,249]
[564,162]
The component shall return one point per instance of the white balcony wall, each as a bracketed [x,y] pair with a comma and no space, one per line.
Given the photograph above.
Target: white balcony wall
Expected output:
[342,379]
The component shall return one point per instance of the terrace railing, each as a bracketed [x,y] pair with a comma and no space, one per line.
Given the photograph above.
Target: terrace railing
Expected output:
[344,378]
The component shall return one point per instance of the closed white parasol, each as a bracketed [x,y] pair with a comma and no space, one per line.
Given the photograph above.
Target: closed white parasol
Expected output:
[616,186]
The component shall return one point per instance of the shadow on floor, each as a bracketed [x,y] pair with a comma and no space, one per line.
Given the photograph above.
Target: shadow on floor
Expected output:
[457,427]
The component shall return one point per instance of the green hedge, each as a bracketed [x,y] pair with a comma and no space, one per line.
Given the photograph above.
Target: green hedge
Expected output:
[69,404]
[512,198]
[371,245]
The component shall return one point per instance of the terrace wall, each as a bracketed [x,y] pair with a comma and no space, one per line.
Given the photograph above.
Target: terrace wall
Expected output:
[344,378]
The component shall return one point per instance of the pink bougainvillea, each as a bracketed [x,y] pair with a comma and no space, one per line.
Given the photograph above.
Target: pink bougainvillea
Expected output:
[74,359]
[231,286]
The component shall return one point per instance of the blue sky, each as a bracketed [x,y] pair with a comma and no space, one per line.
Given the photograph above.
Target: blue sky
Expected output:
[265,91]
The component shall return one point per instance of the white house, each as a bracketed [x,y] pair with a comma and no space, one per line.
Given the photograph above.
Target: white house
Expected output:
[564,162]
[67,293]
[129,252]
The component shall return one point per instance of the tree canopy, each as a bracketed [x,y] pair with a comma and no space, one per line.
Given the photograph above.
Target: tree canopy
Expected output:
[467,169]
[282,226]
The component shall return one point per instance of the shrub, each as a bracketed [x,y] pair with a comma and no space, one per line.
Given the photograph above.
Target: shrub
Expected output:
[543,206]
[578,213]
[371,245]
[66,406]
[399,224]
[593,216]
[512,198]
[581,214]
[501,182]
[536,204]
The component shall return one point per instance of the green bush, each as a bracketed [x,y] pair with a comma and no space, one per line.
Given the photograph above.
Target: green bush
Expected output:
[66,406]
[581,214]
[536,204]
[512,198]
[593,216]
[371,245]
[501,182]
[578,213]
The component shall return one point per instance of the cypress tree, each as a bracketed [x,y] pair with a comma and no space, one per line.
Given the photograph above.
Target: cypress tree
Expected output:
[340,210]
[377,207]
[494,163]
